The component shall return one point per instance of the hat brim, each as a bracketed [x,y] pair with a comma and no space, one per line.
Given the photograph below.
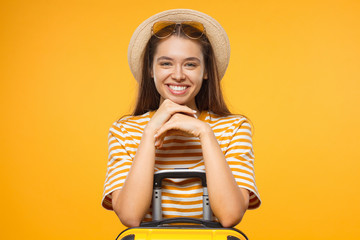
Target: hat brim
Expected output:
[214,31]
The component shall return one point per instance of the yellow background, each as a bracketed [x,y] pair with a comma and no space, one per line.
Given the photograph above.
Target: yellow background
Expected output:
[294,71]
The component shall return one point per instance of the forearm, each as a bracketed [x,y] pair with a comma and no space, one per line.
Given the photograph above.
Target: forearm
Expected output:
[227,200]
[133,200]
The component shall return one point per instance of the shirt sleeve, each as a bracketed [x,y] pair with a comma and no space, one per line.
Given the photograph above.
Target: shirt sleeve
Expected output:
[119,163]
[240,157]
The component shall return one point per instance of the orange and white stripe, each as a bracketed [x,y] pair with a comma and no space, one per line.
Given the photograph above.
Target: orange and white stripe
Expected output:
[182,197]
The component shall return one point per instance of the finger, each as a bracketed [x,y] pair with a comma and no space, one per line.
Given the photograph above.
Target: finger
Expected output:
[159,142]
[164,130]
[177,108]
[188,111]
[175,126]
[159,139]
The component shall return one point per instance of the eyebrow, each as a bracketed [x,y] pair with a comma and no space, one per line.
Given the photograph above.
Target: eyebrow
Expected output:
[186,59]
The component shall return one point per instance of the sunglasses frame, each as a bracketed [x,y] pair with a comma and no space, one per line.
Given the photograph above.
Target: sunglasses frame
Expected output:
[181,27]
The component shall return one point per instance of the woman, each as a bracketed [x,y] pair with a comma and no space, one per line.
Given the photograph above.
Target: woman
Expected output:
[180,121]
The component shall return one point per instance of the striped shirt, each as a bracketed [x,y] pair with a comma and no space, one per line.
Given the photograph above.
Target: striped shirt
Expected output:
[182,197]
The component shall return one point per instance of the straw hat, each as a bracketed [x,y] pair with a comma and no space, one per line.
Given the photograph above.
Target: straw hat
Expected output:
[214,31]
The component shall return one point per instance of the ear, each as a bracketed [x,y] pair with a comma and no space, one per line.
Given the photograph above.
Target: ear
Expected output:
[205,75]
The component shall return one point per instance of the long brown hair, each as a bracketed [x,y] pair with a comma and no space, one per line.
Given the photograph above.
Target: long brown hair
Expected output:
[210,96]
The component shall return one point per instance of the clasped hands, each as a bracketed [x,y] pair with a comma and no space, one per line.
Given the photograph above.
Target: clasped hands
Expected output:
[174,119]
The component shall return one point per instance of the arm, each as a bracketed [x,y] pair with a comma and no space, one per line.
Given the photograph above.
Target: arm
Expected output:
[133,201]
[228,201]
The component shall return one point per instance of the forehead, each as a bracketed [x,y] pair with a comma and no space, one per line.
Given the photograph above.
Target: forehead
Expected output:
[179,47]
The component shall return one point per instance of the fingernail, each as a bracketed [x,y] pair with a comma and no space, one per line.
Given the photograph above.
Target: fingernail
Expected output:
[194,111]
[195,116]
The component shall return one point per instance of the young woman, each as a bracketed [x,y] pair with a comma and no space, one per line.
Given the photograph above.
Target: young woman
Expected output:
[180,120]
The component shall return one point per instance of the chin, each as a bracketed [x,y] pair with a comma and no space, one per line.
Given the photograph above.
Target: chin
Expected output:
[179,102]
[175,100]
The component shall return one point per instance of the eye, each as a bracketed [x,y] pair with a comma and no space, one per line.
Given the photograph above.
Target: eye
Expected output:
[191,64]
[165,64]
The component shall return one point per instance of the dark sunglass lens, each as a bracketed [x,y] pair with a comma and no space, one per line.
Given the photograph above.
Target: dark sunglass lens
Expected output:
[193,29]
[163,29]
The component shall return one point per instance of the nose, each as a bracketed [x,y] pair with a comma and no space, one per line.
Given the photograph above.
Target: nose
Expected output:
[178,74]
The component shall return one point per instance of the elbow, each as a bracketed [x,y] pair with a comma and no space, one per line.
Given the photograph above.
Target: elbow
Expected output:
[233,216]
[230,221]
[128,220]
[130,215]
[230,218]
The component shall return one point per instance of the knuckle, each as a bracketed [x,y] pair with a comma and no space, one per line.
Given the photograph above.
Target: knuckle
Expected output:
[176,116]
[167,102]
[168,105]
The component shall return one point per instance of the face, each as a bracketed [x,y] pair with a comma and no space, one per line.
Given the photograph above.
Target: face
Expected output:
[178,70]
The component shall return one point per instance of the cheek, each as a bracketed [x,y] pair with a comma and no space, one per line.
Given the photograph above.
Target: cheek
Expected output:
[199,85]
[156,82]
[152,71]
[198,76]
[198,81]
[158,78]
[160,74]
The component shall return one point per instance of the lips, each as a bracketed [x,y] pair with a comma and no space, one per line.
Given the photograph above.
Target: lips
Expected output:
[177,89]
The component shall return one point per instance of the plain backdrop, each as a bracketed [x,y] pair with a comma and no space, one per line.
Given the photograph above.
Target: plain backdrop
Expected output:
[64,79]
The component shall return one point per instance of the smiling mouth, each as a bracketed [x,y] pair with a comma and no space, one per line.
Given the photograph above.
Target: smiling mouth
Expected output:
[177,90]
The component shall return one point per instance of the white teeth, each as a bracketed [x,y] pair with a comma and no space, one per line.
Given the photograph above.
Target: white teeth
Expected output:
[177,88]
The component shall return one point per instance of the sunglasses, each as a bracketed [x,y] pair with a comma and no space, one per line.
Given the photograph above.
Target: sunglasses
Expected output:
[163,29]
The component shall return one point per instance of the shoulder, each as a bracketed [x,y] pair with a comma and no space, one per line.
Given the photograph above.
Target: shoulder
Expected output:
[229,120]
[133,120]
[130,124]
[230,125]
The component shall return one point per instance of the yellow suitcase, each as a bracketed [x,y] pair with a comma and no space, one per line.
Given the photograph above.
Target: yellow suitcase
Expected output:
[200,229]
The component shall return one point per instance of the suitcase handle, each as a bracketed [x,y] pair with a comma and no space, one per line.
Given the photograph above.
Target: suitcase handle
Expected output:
[203,222]
[179,173]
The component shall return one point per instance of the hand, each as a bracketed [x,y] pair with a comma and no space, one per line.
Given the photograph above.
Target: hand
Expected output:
[179,124]
[166,110]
